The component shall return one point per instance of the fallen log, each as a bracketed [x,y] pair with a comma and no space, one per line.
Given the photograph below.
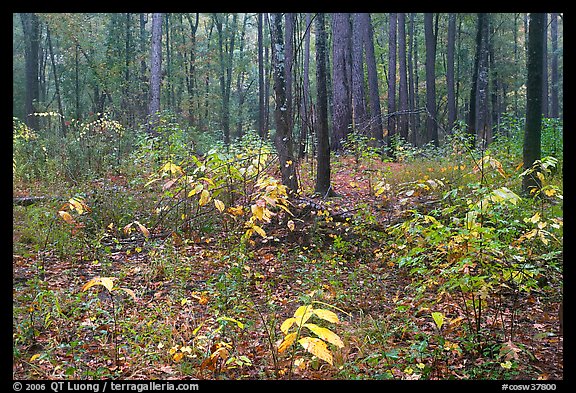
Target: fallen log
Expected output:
[30,200]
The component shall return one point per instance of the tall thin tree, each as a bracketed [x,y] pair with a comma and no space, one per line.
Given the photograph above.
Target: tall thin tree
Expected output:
[533,128]
[323,156]
[155,72]
[283,138]
[431,121]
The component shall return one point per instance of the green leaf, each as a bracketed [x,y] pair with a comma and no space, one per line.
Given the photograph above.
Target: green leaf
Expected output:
[438,318]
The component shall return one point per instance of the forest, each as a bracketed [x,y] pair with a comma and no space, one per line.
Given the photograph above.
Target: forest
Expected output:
[287,196]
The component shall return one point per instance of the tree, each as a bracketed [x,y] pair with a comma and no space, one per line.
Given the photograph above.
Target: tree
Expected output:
[402,69]
[283,138]
[323,171]
[533,128]
[31,28]
[341,101]
[430,38]
[358,100]
[392,29]
[226,61]
[155,72]
[545,67]
[305,113]
[373,90]
[262,131]
[473,113]
[554,111]
[450,84]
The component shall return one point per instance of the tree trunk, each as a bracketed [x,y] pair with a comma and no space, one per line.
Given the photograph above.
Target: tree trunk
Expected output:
[402,122]
[283,139]
[431,125]
[226,62]
[304,110]
[554,107]
[450,84]
[342,108]
[262,131]
[358,101]
[155,72]
[289,65]
[472,114]
[31,28]
[545,68]
[323,171]
[392,29]
[482,120]
[373,90]
[532,131]
[56,84]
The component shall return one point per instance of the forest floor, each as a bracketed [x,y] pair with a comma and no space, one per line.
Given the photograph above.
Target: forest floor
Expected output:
[201,312]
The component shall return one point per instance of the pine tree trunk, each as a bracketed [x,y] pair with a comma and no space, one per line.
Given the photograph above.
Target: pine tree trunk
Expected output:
[155,72]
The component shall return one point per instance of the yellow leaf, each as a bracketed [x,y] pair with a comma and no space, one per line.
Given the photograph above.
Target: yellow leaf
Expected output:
[316,347]
[287,324]
[178,356]
[75,203]
[290,225]
[259,230]
[258,211]
[34,357]
[204,197]
[91,283]
[287,342]
[143,229]
[66,217]
[129,292]
[325,334]
[236,211]
[219,205]
[107,282]
[327,315]
[302,314]
[196,190]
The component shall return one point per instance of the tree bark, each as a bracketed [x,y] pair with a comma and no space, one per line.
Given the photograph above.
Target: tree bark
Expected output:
[342,104]
[545,68]
[533,128]
[554,104]
[306,119]
[373,90]
[323,167]
[392,29]
[283,138]
[450,84]
[358,101]
[431,125]
[403,88]
[31,28]
[262,131]
[155,72]
[56,83]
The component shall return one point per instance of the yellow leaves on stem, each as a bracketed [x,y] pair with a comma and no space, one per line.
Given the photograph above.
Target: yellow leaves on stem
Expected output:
[314,345]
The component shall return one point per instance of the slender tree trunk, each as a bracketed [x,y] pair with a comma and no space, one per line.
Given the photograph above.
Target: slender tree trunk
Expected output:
[482,120]
[431,125]
[532,132]
[155,72]
[289,49]
[373,90]
[358,101]
[262,131]
[193,104]
[56,84]
[545,68]
[472,115]
[283,138]
[554,105]
[31,28]
[240,80]
[342,108]
[392,29]
[495,107]
[450,84]
[304,110]
[323,170]
[403,88]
